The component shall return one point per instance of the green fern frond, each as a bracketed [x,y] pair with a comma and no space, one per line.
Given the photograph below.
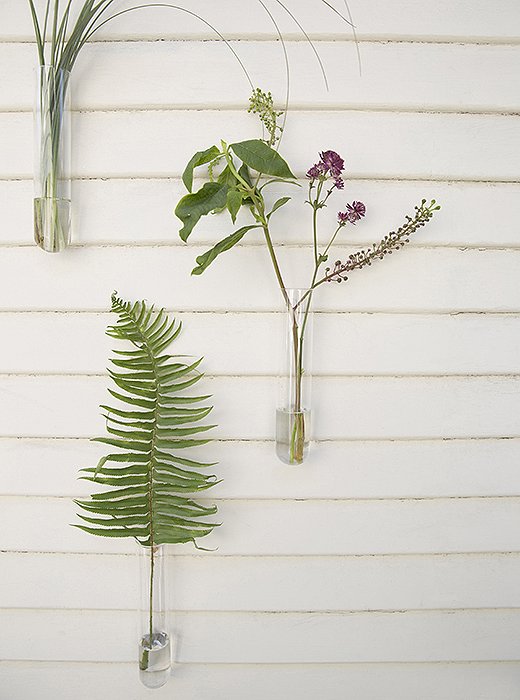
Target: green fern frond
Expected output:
[151,483]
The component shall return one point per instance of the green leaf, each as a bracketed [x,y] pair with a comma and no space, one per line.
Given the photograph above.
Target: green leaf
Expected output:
[147,491]
[137,446]
[279,203]
[245,174]
[192,207]
[112,532]
[234,202]
[260,157]
[227,177]
[205,260]
[279,179]
[200,158]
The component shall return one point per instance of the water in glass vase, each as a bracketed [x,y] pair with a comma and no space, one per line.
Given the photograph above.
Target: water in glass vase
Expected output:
[52,176]
[154,660]
[293,432]
[52,223]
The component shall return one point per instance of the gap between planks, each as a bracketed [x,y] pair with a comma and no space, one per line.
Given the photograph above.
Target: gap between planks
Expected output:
[225,312]
[194,554]
[285,613]
[353,177]
[295,107]
[318,38]
[261,665]
[365,499]
[480,438]
[253,557]
[239,312]
[317,377]
[340,246]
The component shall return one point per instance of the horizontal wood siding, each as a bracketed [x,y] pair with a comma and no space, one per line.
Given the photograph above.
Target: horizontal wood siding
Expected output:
[388,565]
[89,681]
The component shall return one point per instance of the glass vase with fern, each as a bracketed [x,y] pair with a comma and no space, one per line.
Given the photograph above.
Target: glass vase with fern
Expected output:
[149,482]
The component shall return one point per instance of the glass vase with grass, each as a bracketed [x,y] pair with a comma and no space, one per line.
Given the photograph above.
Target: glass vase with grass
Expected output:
[61,30]
[52,178]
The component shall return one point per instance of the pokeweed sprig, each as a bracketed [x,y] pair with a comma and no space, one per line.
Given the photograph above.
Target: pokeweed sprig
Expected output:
[395,240]
[261,103]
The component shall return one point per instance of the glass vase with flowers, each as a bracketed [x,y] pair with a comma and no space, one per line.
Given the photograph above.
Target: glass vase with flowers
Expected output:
[238,177]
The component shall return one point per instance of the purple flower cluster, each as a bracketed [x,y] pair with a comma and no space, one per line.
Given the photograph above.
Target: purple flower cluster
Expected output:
[314,173]
[353,213]
[330,165]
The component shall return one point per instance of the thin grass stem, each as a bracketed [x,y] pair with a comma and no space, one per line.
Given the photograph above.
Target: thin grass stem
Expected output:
[287,71]
[37,32]
[180,9]
[351,24]
[309,40]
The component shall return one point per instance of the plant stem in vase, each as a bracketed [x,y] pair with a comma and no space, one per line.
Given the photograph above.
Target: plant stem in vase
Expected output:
[293,415]
[52,181]
[154,640]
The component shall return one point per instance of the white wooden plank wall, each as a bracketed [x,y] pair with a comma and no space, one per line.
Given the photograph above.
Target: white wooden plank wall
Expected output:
[386,567]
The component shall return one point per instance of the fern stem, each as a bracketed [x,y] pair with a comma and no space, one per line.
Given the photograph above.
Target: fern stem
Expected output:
[146,347]
[152,562]
[151,480]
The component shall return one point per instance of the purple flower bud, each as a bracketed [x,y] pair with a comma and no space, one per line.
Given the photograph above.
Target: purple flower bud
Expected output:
[338,183]
[332,163]
[343,218]
[355,211]
[314,172]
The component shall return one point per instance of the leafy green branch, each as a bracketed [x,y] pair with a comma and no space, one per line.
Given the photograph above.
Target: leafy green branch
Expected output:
[232,189]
